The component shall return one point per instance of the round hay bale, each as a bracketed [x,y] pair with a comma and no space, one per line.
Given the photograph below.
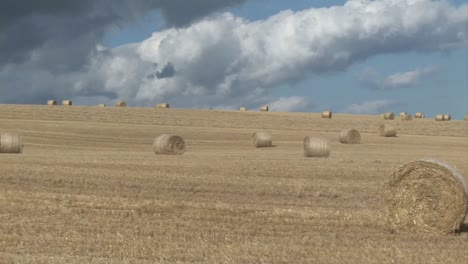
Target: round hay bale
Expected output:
[316,147]
[403,114]
[387,131]
[11,143]
[67,102]
[466,117]
[262,139]
[425,196]
[51,102]
[447,117]
[169,145]
[163,105]
[407,117]
[439,118]
[419,115]
[243,109]
[102,105]
[350,136]
[389,116]
[121,104]
[264,108]
[327,114]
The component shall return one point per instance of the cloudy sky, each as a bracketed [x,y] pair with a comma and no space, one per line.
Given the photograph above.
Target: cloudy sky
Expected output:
[356,56]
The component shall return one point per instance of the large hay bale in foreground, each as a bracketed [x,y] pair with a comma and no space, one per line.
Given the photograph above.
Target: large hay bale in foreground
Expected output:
[11,143]
[447,117]
[327,114]
[387,131]
[426,196]
[163,105]
[419,115]
[169,145]
[407,117]
[67,102]
[439,117]
[316,147]
[121,104]
[350,136]
[51,102]
[262,139]
[389,116]
[264,108]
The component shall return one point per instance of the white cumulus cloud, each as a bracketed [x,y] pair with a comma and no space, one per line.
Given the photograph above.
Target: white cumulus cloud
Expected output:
[370,107]
[290,104]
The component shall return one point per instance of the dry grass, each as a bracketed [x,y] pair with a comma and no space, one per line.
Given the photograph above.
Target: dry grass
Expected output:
[89,189]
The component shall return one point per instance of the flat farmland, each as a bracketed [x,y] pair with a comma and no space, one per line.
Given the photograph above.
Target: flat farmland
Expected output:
[89,189]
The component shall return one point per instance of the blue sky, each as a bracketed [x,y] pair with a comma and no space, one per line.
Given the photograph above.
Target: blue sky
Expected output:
[399,55]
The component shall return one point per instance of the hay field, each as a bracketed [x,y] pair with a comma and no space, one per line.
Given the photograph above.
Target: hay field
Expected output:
[89,189]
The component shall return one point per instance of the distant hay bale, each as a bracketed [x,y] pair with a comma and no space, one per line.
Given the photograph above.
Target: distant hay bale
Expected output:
[425,196]
[121,104]
[387,131]
[67,102]
[11,143]
[407,117]
[389,116]
[350,136]
[51,102]
[262,139]
[403,114]
[327,114]
[439,118]
[447,117]
[264,108]
[316,147]
[243,109]
[419,115]
[169,145]
[163,105]
[102,105]
[466,117]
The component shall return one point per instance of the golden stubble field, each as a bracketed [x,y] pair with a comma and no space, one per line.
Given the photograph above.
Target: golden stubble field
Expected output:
[89,189]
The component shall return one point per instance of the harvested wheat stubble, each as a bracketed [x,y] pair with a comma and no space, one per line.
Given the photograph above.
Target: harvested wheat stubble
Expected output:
[387,131]
[11,143]
[163,105]
[425,196]
[389,116]
[243,109]
[264,108]
[439,117]
[316,147]
[419,115]
[121,104]
[407,117]
[262,139]
[67,102]
[350,136]
[327,114]
[447,117]
[169,145]
[51,102]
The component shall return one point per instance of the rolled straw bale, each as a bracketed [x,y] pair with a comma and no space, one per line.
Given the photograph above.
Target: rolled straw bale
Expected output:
[264,108]
[389,116]
[387,131]
[262,139]
[447,117]
[163,105]
[169,145]
[316,147]
[407,117]
[51,102]
[403,113]
[466,117]
[439,118]
[350,136]
[327,114]
[11,143]
[425,196]
[419,115]
[102,105]
[67,102]
[121,104]
[243,109]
